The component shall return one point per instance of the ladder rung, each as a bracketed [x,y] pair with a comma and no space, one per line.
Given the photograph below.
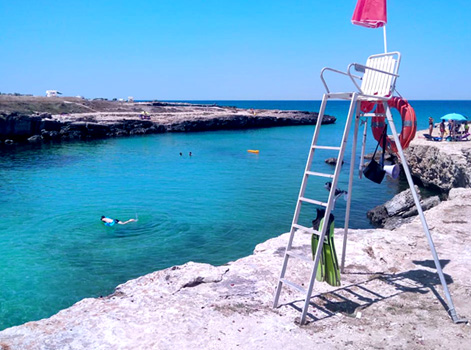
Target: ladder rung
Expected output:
[312,201]
[293,285]
[373,114]
[299,256]
[326,147]
[309,230]
[320,174]
[306,229]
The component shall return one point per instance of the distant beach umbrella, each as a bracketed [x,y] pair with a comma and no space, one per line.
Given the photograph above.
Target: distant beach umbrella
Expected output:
[454,116]
[371,14]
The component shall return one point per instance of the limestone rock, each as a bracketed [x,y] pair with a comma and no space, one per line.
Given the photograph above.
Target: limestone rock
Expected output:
[100,119]
[138,131]
[458,193]
[400,202]
[19,126]
[332,161]
[378,215]
[443,165]
[35,139]
[393,222]
[426,204]
[399,210]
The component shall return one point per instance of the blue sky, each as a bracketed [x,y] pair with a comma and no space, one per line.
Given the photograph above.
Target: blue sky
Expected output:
[208,49]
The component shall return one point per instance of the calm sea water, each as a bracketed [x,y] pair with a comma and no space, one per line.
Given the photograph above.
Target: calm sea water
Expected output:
[212,207]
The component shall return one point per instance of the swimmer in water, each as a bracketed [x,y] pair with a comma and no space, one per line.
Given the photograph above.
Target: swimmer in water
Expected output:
[111,222]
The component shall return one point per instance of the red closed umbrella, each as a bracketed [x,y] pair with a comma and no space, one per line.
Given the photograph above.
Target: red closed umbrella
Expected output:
[371,14]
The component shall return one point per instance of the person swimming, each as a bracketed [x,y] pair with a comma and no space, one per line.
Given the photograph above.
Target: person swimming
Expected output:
[110,222]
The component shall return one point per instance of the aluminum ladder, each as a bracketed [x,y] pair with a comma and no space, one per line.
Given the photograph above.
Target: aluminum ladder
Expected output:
[295,227]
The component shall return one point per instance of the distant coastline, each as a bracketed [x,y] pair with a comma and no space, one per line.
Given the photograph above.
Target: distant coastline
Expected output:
[39,119]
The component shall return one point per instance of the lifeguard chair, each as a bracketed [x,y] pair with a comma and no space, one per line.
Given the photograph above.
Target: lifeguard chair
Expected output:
[374,84]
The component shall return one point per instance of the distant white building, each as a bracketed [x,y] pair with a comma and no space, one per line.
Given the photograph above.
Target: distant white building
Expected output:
[130,99]
[53,93]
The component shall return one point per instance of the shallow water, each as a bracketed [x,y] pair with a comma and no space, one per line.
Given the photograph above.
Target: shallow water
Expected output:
[212,207]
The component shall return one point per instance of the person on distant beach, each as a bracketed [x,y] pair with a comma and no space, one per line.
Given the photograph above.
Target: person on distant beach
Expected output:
[430,126]
[442,129]
[466,127]
[451,129]
[111,222]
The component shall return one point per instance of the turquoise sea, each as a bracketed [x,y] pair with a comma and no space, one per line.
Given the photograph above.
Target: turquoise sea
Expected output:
[212,207]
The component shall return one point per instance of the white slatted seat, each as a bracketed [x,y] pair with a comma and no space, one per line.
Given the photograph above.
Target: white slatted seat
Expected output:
[378,78]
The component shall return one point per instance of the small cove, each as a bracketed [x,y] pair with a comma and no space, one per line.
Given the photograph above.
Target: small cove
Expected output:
[212,207]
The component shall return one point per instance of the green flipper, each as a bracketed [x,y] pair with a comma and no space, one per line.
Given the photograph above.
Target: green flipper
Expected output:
[332,271]
[328,268]
[320,275]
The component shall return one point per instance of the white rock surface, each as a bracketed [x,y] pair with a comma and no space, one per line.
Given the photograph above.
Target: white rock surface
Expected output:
[401,202]
[390,298]
[443,164]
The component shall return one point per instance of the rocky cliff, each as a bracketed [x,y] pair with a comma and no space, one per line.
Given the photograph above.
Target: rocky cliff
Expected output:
[440,165]
[390,297]
[399,210]
[83,119]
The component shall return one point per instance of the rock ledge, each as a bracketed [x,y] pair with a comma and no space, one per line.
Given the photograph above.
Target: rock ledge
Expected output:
[388,294]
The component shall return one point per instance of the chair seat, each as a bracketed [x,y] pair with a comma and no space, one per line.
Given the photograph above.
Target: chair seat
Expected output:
[378,81]
[360,96]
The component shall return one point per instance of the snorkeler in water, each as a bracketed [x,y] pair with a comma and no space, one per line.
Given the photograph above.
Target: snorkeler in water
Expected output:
[111,222]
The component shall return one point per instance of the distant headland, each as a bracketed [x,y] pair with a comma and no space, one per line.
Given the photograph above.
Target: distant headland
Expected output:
[38,119]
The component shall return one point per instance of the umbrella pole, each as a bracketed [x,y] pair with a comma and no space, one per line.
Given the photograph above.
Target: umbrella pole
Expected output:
[385,40]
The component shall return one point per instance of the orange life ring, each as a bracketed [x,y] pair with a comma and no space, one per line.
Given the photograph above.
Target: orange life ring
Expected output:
[409,123]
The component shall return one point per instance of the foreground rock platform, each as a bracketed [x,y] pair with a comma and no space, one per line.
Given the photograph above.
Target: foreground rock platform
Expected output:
[390,297]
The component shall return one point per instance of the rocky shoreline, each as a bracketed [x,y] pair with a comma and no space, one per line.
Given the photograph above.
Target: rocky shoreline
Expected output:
[390,297]
[437,167]
[87,120]
[390,294]
[440,165]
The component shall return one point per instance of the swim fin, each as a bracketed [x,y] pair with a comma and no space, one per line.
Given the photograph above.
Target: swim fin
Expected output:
[320,274]
[332,272]
[328,269]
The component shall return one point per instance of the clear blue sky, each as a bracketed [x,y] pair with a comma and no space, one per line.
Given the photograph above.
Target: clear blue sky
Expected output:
[218,49]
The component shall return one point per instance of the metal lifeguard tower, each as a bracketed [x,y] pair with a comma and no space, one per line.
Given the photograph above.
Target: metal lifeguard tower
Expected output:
[373,82]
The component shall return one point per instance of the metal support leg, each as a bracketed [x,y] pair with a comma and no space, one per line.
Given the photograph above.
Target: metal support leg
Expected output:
[350,183]
[451,307]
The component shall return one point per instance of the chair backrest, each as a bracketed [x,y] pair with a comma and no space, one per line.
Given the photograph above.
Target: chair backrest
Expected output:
[378,83]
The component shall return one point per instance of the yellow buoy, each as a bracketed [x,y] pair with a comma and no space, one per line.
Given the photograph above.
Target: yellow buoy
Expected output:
[253,151]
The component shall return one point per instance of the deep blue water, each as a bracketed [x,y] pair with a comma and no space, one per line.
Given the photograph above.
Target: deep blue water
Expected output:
[212,207]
